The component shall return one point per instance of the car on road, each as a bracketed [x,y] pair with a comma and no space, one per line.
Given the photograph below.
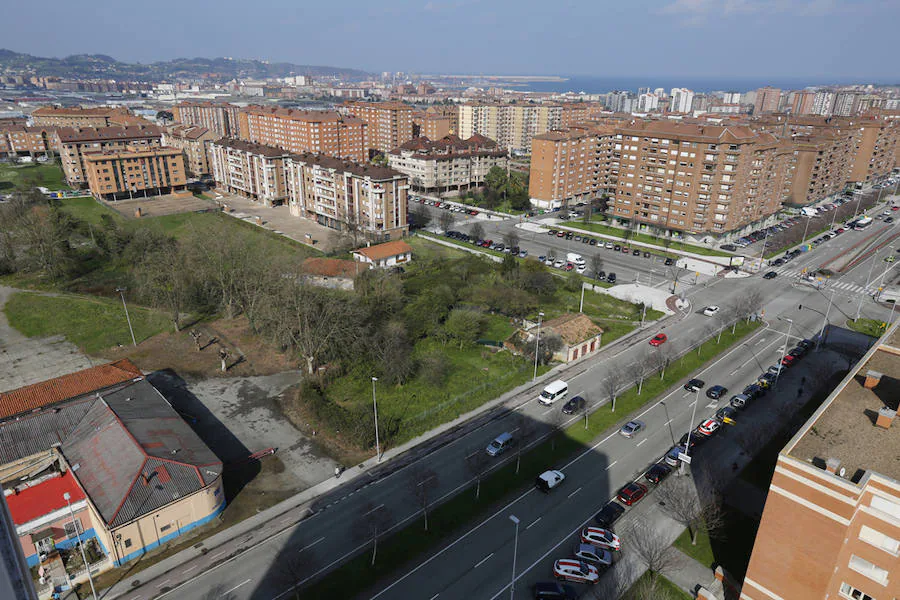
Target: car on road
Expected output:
[549,480]
[657,473]
[695,440]
[711,311]
[569,569]
[805,344]
[798,352]
[551,232]
[635,252]
[646,254]
[659,339]
[593,555]
[726,414]
[602,538]
[766,380]
[788,360]
[558,263]
[608,245]
[501,444]
[609,514]
[575,404]
[770,275]
[669,262]
[694,385]
[776,370]
[617,247]
[553,590]
[601,275]
[709,427]
[716,392]
[631,428]
[631,493]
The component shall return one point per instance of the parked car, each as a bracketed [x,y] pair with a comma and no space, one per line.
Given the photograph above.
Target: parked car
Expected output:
[657,473]
[602,538]
[798,352]
[694,385]
[669,261]
[601,275]
[635,252]
[754,391]
[716,392]
[593,555]
[788,360]
[569,569]
[631,493]
[671,456]
[611,278]
[726,414]
[766,380]
[609,514]
[709,427]
[805,344]
[553,590]
[659,339]
[575,404]
[631,428]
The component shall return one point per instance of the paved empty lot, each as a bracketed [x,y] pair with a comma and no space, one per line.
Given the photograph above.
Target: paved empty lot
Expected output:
[24,361]
[280,220]
[158,206]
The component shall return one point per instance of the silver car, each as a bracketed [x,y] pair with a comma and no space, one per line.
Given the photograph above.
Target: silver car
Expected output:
[631,428]
[593,554]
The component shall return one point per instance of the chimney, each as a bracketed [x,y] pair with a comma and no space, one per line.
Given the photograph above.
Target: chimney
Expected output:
[832,464]
[872,379]
[885,417]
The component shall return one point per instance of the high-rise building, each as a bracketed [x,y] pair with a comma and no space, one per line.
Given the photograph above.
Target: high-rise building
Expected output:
[116,174]
[577,113]
[389,123]
[511,125]
[647,103]
[682,100]
[823,103]
[803,102]
[447,164]
[72,143]
[831,523]
[846,104]
[219,117]
[192,140]
[317,131]
[767,100]
[731,98]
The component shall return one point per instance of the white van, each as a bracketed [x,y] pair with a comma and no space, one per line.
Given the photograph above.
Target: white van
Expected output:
[575,259]
[553,392]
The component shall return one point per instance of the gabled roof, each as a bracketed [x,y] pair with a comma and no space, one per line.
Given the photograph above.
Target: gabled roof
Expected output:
[331,267]
[573,328]
[45,393]
[43,498]
[386,250]
[132,453]
[96,134]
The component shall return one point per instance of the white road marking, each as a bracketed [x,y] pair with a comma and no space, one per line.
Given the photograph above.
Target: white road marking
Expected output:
[760,341]
[692,403]
[483,560]
[611,465]
[533,523]
[215,556]
[189,569]
[245,582]
[736,370]
[433,597]
[641,442]
[575,492]
[311,545]
[549,410]
[374,509]
[159,585]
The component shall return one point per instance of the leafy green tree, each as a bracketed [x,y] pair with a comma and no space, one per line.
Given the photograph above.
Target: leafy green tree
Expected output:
[463,325]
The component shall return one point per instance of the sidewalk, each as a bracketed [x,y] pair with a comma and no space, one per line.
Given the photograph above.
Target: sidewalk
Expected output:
[687,573]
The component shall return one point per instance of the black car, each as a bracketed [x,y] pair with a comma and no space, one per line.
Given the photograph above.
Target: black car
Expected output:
[726,412]
[552,590]
[694,385]
[728,247]
[778,262]
[611,278]
[635,252]
[609,514]
[669,261]
[805,344]
[585,240]
[770,275]
[601,275]
[754,391]
[617,247]
[573,405]
[593,242]
[696,440]
[798,352]
[646,255]
[716,392]
[657,472]
[551,232]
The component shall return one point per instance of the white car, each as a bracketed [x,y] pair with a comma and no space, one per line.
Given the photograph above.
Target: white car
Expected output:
[578,571]
[580,268]
[602,538]
[711,311]
[559,263]
[608,245]
[548,480]
[708,427]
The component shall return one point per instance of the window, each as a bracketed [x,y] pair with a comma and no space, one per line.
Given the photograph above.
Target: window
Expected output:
[128,543]
[879,540]
[848,591]
[70,529]
[165,528]
[870,570]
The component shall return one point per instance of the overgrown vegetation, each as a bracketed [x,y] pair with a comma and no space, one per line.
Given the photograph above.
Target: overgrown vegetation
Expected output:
[501,192]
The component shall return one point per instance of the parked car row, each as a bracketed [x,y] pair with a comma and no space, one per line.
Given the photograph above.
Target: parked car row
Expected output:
[445,205]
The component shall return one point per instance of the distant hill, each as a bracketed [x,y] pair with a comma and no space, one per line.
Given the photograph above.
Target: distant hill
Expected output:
[100,66]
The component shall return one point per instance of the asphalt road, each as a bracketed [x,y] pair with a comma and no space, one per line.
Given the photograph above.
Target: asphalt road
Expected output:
[479,563]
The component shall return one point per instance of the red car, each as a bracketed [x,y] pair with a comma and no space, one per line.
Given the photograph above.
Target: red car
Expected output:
[788,360]
[625,250]
[895,208]
[631,493]
[659,339]
[569,266]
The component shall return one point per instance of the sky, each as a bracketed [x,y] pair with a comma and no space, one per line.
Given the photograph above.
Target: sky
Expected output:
[816,39]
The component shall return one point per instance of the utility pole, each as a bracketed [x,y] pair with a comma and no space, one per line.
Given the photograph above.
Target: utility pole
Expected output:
[537,345]
[127,318]
[67,497]
[375,404]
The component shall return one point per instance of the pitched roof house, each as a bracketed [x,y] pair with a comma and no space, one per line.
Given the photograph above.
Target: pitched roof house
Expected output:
[580,336]
[389,254]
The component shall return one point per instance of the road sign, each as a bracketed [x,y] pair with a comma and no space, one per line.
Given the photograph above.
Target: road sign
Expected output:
[684,458]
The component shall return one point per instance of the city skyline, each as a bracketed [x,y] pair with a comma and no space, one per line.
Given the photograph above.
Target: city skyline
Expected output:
[816,40]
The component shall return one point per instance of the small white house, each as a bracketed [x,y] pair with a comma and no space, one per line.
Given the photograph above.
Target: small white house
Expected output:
[389,254]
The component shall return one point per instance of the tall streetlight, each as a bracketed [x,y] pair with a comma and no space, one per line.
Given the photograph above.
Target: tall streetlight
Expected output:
[781,358]
[806,229]
[687,444]
[537,345]
[825,315]
[512,583]
[122,291]
[375,404]
[868,278]
[67,498]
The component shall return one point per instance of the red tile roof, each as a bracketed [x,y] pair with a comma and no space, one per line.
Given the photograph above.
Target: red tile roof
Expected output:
[44,498]
[45,393]
[331,267]
[386,250]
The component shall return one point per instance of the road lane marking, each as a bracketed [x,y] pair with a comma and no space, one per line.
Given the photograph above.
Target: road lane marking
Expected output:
[374,509]
[215,556]
[575,492]
[760,342]
[226,592]
[189,569]
[159,585]
[311,545]
[736,370]
[433,597]
[483,560]
[533,523]
[611,465]
[549,410]
[641,442]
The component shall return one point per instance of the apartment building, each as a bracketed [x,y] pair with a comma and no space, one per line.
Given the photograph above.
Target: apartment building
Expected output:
[696,180]
[823,103]
[447,165]
[831,523]
[335,193]
[72,143]
[682,100]
[433,126]
[192,140]
[575,165]
[878,143]
[17,140]
[512,125]
[116,174]
[221,118]
[803,102]
[578,113]
[316,131]
[75,116]
[767,100]
[390,124]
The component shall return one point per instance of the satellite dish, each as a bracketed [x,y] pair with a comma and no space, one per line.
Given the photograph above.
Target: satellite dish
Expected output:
[842,472]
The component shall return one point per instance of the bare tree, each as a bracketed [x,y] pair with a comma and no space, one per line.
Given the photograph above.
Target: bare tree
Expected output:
[750,303]
[422,481]
[371,523]
[477,463]
[557,418]
[610,386]
[680,499]
[585,411]
[596,264]
[445,220]
[511,239]
[637,372]
[658,359]
[652,550]
[477,232]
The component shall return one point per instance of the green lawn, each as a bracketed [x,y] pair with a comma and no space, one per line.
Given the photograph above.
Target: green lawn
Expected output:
[731,547]
[643,237]
[498,328]
[666,590]
[92,324]
[32,175]
[872,327]
[89,210]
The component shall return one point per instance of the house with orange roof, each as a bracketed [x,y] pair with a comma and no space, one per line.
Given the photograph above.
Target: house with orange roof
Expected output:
[383,256]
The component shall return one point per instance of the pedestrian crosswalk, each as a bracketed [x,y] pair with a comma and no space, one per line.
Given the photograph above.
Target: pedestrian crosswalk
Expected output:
[830,284]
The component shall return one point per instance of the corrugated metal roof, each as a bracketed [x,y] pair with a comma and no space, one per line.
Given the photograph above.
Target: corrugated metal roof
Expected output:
[165,482]
[37,432]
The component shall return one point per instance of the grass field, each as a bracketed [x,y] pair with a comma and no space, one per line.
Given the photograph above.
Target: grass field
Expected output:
[872,327]
[666,590]
[32,175]
[92,324]
[89,210]
[643,237]
[730,548]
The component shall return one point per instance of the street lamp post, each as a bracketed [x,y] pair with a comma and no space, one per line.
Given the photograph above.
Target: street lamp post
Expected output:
[67,498]
[687,444]
[786,336]
[537,345]
[512,583]
[868,278]
[127,318]
[375,404]
[806,229]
